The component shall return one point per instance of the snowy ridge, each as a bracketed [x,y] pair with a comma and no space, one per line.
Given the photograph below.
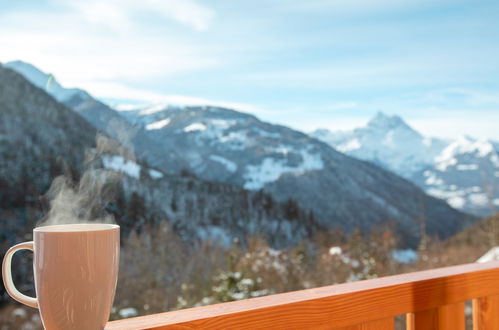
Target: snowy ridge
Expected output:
[46,81]
[463,171]
[313,187]
[465,145]
[271,169]
[128,167]
[157,124]
[387,141]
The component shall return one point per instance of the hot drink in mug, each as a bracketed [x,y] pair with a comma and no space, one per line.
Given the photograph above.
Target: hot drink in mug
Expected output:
[76,270]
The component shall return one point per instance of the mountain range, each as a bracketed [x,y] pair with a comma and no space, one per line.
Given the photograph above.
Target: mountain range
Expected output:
[42,138]
[224,146]
[463,171]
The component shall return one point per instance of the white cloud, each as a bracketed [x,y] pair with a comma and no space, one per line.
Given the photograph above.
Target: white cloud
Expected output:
[121,14]
[75,57]
[117,91]
[464,96]
[381,71]
[186,11]
[484,127]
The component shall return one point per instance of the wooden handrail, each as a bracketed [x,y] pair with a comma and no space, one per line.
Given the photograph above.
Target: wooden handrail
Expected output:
[433,299]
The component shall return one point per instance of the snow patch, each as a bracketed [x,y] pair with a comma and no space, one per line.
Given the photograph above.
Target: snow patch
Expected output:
[236,140]
[478,199]
[456,202]
[433,180]
[271,169]
[463,145]
[443,163]
[155,174]
[223,123]
[195,127]
[229,165]
[467,167]
[150,109]
[350,145]
[118,163]
[335,250]
[158,124]
[128,312]
[491,255]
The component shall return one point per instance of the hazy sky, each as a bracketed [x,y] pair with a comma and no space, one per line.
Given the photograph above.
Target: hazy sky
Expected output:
[306,64]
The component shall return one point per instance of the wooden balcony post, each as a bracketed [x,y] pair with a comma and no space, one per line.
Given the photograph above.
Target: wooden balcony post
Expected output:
[486,313]
[447,317]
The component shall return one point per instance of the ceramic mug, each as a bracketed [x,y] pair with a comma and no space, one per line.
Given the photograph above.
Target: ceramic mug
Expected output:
[76,270]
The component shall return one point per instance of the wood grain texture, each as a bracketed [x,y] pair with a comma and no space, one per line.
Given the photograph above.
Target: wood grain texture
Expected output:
[426,320]
[384,324]
[452,317]
[486,313]
[441,318]
[335,306]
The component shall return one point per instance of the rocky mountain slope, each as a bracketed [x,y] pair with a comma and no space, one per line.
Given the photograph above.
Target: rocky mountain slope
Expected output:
[464,171]
[41,138]
[100,115]
[227,146]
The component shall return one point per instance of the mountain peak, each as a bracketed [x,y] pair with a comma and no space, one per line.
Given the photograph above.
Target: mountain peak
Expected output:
[29,71]
[385,121]
[45,81]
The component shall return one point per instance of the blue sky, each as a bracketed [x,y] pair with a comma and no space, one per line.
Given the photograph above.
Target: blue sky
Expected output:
[306,64]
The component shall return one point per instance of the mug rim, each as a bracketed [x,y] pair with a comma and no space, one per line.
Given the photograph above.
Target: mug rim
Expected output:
[76,227]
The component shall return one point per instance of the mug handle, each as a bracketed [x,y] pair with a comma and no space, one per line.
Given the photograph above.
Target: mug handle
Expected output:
[7,275]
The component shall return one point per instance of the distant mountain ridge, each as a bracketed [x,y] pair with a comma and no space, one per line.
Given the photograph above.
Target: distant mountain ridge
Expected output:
[387,141]
[46,81]
[232,147]
[464,171]
[42,138]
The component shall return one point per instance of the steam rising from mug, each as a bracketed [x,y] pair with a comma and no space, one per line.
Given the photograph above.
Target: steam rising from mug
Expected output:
[86,201]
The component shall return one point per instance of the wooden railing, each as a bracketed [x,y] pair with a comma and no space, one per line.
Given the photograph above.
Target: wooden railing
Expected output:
[433,299]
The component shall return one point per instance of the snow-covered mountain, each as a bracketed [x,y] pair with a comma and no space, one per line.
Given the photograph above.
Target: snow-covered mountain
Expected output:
[464,171]
[228,146]
[99,114]
[466,174]
[41,138]
[387,141]
[46,81]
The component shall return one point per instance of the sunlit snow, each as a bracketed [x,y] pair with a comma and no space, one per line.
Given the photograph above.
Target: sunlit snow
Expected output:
[349,146]
[195,127]
[128,167]
[158,124]
[118,163]
[467,167]
[270,169]
[155,174]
